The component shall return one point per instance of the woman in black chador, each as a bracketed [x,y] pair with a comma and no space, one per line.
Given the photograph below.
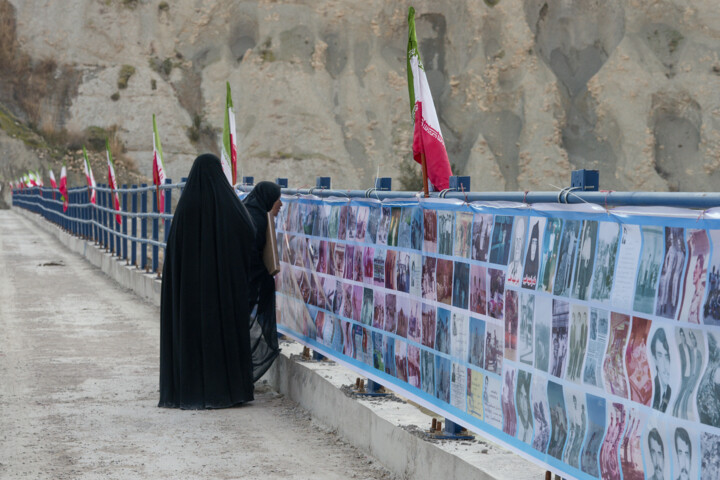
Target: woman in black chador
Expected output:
[263,199]
[205,344]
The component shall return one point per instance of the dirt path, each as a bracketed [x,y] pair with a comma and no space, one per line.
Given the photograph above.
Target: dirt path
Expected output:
[79,388]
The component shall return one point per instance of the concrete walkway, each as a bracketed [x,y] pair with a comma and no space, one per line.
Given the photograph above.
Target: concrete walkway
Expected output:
[79,387]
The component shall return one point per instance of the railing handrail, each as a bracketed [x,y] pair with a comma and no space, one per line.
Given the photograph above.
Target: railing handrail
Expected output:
[701,200]
[96,221]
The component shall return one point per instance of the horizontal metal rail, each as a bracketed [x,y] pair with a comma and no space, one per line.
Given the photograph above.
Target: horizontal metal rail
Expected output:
[96,221]
[701,200]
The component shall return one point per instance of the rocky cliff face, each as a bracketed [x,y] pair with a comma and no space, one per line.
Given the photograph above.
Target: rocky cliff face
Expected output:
[526,90]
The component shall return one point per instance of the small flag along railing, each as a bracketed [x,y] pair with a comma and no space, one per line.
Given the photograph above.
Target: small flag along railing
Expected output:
[137,239]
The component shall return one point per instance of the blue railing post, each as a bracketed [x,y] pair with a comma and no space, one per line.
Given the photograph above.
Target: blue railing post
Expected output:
[75,208]
[133,229]
[69,214]
[168,209]
[91,212]
[155,233]
[383,183]
[323,182]
[124,224]
[100,219]
[88,214]
[108,219]
[143,226]
[82,214]
[106,236]
[61,219]
[112,224]
[585,180]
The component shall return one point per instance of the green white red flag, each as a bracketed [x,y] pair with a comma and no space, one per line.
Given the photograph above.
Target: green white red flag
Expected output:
[38,179]
[158,168]
[63,187]
[228,156]
[112,181]
[53,183]
[90,177]
[427,138]
[30,180]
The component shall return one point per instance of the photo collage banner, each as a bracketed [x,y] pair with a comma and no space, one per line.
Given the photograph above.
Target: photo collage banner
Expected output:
[586,340]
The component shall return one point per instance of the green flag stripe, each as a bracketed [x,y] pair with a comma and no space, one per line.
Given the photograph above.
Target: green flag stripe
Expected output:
[158,146]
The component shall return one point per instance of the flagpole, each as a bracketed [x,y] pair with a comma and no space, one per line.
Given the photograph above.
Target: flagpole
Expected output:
[424,174]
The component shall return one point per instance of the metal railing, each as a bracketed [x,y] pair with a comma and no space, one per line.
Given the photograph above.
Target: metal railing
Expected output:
[97,223]
[140,246]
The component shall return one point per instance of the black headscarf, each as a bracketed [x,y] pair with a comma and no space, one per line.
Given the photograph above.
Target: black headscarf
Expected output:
[259,202]
[263,329]
[205,348]
[264,195]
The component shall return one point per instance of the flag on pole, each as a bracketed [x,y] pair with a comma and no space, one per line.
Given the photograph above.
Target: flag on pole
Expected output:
[158,168]
[31,180]
[63,187]
[228,157]
[112,181]
[427,138]
[38,179]
[90,177]
[53,183]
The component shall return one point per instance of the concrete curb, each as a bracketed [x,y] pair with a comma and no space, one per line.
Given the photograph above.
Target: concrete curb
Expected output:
[379,427]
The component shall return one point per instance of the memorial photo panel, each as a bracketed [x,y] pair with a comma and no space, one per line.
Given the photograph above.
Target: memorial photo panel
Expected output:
[589,340]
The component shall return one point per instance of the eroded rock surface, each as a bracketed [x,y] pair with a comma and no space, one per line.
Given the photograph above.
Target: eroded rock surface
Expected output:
[526,90]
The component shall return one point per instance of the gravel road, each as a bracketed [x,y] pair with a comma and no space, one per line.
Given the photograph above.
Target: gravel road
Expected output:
[79,388]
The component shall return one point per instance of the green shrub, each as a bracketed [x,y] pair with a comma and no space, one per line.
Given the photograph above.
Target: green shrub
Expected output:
[126,72]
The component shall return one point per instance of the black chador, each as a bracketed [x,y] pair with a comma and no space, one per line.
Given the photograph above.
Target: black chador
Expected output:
[261,288]
[205,342]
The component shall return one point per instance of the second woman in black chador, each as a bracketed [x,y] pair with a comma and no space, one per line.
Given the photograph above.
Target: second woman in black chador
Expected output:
[263,199]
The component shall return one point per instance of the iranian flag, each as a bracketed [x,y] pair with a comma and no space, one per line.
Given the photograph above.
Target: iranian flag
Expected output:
[63,186]
[31,180]
[53,183]
[112,181]
[228,157]
[427,138]
[38,179]
[158,168]
[90,177]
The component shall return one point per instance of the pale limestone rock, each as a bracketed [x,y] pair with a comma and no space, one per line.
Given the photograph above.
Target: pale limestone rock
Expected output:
[526,91]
